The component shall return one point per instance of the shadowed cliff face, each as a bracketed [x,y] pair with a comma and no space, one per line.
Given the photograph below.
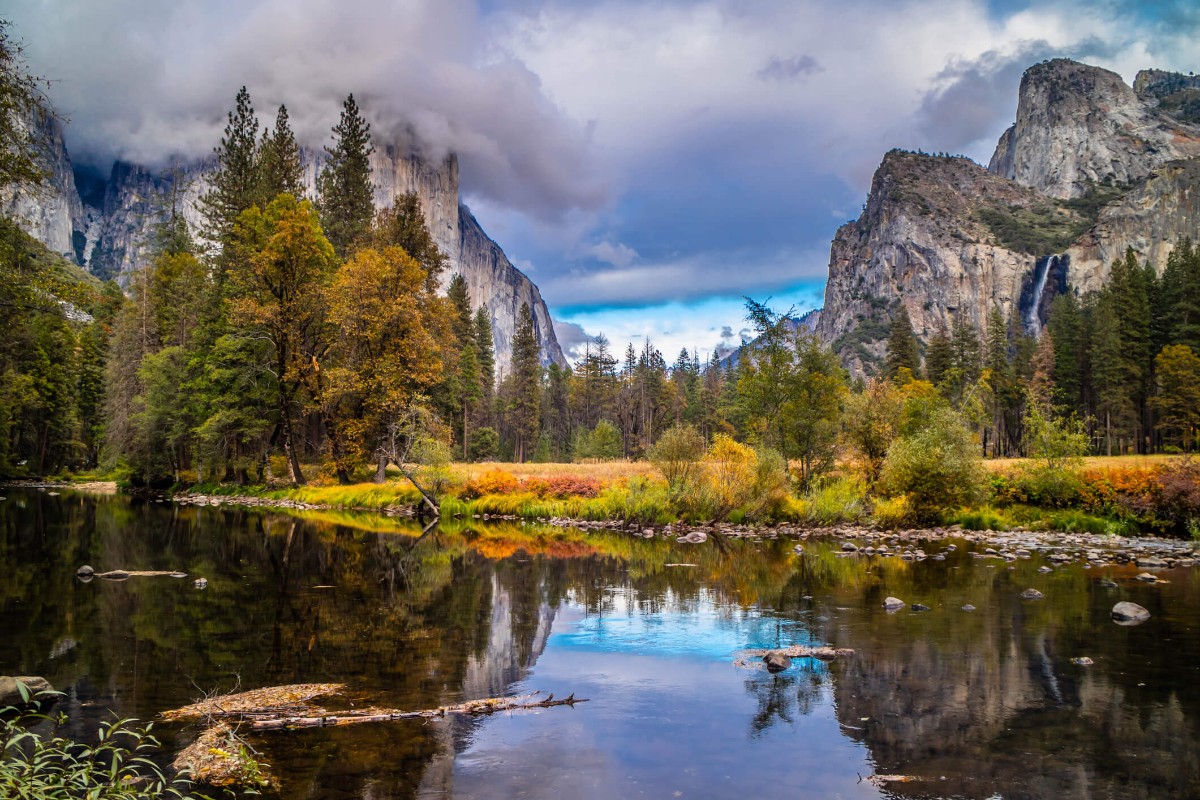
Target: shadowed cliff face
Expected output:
[111,238]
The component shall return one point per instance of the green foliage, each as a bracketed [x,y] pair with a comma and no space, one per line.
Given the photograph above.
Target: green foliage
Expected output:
[834,501]
[49,767]
[485,444]
[677,455]
[235,181]
[602,443]
[937,466]
[344,193]
[902,346]
[1047,228]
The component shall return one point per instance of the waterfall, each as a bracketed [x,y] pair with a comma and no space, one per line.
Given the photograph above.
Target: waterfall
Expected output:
[1032,311]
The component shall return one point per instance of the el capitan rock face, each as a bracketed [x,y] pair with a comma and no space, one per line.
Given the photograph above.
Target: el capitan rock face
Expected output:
[109,232]
[1091,168]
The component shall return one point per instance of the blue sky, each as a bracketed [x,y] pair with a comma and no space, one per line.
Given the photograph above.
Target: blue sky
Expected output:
[647,162]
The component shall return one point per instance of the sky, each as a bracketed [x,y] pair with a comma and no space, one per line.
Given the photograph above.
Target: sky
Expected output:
[647,163]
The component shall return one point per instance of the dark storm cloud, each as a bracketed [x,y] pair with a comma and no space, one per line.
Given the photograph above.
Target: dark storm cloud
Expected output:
[572,338]
[147,81]
[974,99]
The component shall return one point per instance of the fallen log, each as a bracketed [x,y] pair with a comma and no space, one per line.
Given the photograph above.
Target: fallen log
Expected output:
[268,700]
[750,659]
[323,719]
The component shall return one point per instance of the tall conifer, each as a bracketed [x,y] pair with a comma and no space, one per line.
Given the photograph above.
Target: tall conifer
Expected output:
[345,196]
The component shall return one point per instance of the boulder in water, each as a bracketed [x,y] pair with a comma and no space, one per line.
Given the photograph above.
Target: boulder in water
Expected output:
[10,695]
[776,662]
[893,603]
[1031,594]
[1126,613]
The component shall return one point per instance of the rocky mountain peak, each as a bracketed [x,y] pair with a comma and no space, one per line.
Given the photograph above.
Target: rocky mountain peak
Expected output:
[106,227]
[1080,126]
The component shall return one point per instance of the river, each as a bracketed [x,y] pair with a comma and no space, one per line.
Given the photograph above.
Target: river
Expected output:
[964,704]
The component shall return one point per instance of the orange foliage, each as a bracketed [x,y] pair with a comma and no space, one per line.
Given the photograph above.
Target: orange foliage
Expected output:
[493,481]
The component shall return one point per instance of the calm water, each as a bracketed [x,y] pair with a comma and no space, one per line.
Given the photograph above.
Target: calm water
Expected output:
[975,705]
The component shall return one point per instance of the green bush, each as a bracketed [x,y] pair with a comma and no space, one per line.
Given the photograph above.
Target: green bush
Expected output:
[485,444]
[937,467]
[678,455]
[835,501]
[116,767]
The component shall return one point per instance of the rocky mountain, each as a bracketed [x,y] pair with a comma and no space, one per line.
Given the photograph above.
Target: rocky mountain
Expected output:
[103,223]
[1090,168]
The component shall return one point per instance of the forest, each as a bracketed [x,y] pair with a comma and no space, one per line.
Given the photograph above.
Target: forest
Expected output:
[295,339]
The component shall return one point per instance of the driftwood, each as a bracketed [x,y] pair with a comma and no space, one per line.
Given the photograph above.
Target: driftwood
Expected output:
[748,658]
[86,573]
[218,757]
[323,719]
[271,699]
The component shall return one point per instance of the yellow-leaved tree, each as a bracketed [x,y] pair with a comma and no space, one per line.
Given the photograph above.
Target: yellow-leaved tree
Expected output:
[392,329]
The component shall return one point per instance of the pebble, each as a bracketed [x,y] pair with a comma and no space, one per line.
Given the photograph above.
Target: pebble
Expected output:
[1032,594]
[200,583]
[968,607]
[1082,661]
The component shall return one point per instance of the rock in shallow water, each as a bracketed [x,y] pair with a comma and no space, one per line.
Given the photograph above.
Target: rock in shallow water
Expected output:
[1126,613]
[776,662]
[1032,594]
[893,603]
[968,607]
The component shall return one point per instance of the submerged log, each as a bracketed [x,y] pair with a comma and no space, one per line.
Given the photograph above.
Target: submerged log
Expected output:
[753,658]
[325,719]
[277,700]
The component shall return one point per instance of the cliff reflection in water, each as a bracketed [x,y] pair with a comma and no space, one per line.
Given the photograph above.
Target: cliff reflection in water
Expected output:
[988,703]
[980,703]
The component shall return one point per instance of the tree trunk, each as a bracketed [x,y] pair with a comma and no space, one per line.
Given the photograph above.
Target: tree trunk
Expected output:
[289,449]
[381,468]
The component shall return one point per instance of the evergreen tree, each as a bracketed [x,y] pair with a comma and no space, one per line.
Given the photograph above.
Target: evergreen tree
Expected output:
[235,182]
[527,378]
[344,192]
[1178,398]
[902,346]
[939,356]
[1067,332]
[487,361]
[279,168]
[403,225]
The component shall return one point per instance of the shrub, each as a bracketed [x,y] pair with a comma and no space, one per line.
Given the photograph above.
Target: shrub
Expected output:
[677,455]
[892,512]
[731,473]
[485,444]
[834,501]
[117,767]
[637,499]
[1179,496]
[492,481]
[938,466]
[769,494]
[979,519]
[562,486]
[602,442]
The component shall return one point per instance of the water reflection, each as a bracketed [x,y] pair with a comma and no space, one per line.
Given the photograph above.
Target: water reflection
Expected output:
[973,704]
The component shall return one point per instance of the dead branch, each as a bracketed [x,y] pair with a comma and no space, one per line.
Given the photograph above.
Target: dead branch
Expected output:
[746,658]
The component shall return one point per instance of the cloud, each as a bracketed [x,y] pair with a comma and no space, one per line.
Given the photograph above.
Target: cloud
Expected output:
[787,69]
[146,81]
[688,278]
[572,338]
[609,252]
[726,332]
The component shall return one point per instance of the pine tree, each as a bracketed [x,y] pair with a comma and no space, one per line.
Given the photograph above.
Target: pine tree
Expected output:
[403,225]
[487,361]
[235,182]
[345,195]
[1066,327]
[279,168]
[939,356]
[902,346]
[527,376]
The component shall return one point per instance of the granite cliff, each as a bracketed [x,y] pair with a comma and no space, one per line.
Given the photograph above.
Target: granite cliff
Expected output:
[103,223]
[1090,168]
